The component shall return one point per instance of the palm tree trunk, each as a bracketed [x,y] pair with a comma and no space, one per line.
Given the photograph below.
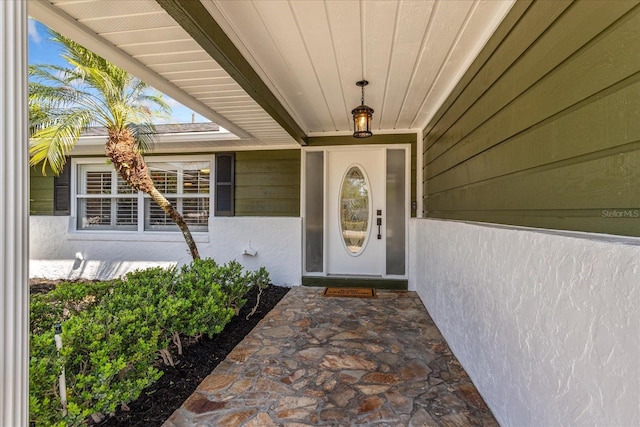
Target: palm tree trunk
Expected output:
[170,210]
[130,164]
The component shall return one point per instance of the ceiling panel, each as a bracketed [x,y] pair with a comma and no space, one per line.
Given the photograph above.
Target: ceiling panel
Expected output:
[410,40]
[313,25]
[161,47]
[99,8]
[312,53]
[345,29]
[117,22]
[171,57]
[209,64]
[380,28]
[153,35]
[309,54]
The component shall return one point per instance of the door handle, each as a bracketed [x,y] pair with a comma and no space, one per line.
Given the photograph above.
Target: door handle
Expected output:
[379,224]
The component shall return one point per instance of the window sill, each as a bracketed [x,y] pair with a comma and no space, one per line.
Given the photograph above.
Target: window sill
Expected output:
[134,236]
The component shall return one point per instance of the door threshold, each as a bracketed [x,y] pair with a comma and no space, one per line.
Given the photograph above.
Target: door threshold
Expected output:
[375,282]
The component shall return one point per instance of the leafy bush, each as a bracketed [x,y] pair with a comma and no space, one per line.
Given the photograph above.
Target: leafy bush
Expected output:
[114,331]
[207,295]
[108,356]
[66,299]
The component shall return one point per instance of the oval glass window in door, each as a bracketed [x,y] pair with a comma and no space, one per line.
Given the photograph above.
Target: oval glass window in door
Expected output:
[354,210]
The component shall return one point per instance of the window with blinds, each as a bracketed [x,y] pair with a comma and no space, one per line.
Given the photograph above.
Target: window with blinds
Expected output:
[106,202]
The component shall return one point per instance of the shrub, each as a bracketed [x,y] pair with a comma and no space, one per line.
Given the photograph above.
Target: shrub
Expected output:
[44,368]
[113,332]
[66,299]
[198,304]
[108,356]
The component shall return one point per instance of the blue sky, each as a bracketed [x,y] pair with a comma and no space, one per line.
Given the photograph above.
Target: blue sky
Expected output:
[43,51]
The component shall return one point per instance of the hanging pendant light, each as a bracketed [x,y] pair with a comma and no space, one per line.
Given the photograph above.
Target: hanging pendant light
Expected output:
[362,116]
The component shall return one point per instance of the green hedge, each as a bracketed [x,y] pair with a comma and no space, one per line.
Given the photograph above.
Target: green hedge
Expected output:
[114,333]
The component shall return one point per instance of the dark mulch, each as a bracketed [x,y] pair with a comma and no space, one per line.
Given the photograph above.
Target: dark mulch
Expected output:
[157,402]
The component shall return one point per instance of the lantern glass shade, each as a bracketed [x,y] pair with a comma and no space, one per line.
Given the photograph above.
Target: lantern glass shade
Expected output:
[362,116]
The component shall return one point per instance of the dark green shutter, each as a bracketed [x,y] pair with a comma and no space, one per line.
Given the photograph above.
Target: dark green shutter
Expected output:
[62,191]
[224,186]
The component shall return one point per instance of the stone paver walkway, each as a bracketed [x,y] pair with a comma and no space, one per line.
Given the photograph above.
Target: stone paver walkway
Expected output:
[324,361]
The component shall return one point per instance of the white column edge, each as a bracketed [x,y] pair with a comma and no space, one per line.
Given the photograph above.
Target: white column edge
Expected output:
[14,208]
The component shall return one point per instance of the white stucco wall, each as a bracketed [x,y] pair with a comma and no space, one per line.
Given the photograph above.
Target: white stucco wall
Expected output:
[546,324]
[107,254]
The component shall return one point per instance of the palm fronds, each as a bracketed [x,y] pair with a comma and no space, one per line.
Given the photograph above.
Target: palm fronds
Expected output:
[91,91]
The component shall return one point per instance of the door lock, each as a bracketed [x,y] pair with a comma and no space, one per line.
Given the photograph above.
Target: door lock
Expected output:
[379,223]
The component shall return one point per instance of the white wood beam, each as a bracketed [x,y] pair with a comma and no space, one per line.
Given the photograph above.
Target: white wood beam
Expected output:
[14,214]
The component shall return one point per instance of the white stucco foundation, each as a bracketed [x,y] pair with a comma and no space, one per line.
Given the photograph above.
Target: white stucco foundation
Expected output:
[546,324]
[104,255]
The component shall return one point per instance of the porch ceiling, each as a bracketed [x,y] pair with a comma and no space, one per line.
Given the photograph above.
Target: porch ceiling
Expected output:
[274,72]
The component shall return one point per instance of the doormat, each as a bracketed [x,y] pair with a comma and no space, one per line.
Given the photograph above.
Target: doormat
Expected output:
[350,292]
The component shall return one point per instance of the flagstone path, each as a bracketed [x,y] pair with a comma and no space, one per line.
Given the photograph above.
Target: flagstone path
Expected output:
[319,361]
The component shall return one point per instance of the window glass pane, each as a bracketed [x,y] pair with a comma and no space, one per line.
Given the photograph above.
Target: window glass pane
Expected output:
[165,179]
[196,181]
[155,218]
[314,207]
[97,182]
[196,213]
[123,187]
[94,213]
[127,210]
[354,210]
[396,215]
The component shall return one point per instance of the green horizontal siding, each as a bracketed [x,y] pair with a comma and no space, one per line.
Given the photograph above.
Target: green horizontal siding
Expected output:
[267,183]
[543,129]
[40,192]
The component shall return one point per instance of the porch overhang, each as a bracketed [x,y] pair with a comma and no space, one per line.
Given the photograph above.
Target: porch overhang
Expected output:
[277,73]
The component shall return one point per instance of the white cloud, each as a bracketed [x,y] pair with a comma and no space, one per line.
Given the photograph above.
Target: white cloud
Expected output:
[33,32]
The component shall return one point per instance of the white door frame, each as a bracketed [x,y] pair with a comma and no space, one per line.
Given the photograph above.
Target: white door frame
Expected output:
[303,201]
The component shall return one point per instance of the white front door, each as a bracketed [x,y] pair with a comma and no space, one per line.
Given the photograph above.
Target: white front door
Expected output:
[355,212]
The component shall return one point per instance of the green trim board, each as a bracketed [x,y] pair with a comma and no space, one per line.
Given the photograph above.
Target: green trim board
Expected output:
[194,18]
[396,138]
[543,130]
[355,282]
